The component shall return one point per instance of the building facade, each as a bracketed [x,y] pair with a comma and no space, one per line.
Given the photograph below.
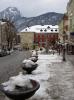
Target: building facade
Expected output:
[39,36]
[3,42]
[43,39]
[26,40]
[70,12]
[63,29]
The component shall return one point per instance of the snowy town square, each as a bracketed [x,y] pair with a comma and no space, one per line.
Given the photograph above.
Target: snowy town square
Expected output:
[55,76]
[36,49]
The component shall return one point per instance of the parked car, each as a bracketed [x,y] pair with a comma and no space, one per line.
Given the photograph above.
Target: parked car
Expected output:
[3,53]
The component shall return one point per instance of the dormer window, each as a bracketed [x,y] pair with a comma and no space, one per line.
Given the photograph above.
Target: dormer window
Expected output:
[48,27]
[41,30]
[56,30]
[25,29]
[52,30]
[45,30]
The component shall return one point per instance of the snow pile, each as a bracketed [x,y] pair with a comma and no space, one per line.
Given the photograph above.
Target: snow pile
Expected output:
[28,63]
[41,51]
[32,58]
[51,58]
[42,75]
[38,51]
[34,53]
[18,80]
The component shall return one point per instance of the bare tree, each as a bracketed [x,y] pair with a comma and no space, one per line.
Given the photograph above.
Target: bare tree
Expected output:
[10,32]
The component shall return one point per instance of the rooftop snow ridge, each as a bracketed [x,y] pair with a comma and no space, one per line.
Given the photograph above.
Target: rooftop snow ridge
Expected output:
[45,28]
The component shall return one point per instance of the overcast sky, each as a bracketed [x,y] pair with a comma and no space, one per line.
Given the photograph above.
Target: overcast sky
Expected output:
[30,8]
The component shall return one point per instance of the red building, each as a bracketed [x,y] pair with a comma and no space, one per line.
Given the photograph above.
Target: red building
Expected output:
[42,38]
[46,36]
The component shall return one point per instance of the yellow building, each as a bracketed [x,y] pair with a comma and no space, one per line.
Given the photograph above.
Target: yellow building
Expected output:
[27,39]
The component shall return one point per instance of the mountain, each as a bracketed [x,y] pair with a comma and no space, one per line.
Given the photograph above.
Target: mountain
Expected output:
[14,14]
[11,13]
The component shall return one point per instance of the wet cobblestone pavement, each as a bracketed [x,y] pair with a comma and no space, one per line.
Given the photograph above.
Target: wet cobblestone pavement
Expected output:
[62,81]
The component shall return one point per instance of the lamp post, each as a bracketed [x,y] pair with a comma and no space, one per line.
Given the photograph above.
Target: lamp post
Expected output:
[64,47]
[64,51]
[59,44]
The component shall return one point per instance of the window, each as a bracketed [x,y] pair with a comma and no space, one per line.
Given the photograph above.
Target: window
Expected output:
[41,30]
[52,30]
[48,27]
[25,29]
[45,30]
[56,30]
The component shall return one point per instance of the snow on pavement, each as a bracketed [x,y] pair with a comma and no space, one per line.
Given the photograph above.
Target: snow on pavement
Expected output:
[42,75]
[56,78]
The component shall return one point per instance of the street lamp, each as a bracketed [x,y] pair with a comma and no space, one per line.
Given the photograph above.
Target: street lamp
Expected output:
[64,51]
[64,47]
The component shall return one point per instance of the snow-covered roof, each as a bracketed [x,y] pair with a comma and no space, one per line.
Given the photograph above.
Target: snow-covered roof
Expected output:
[42,29]
[2,23]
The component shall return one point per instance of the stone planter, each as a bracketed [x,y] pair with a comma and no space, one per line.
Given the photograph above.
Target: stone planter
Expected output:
[34,59]
[20,93]
[35,56]
[29,69]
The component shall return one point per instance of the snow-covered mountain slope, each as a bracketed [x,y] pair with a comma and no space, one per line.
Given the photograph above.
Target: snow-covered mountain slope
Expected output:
[14,14]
